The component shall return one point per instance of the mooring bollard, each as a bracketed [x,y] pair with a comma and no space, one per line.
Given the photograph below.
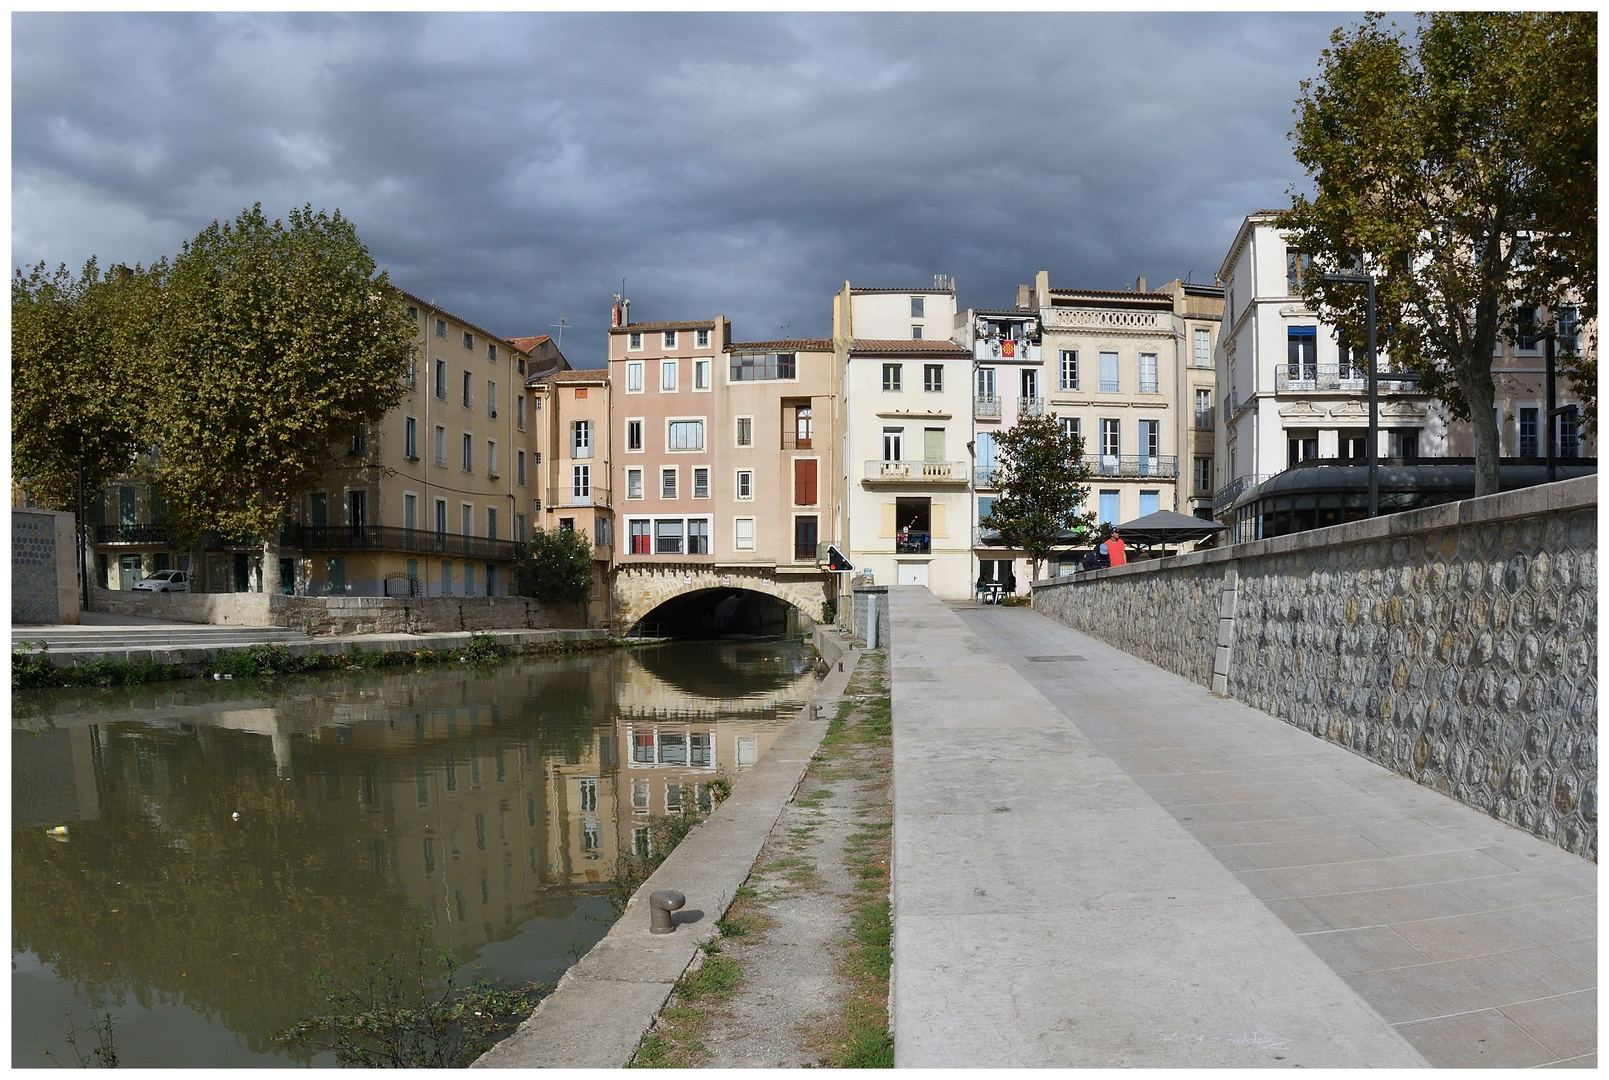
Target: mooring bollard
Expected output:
[815,711]
[660,905]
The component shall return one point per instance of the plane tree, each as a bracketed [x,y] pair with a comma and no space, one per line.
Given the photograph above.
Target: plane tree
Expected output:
[1043,481]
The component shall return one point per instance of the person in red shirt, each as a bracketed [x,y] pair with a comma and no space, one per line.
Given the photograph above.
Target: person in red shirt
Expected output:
[1114,549]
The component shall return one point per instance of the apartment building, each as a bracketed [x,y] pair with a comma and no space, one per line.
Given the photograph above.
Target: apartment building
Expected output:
[902,493]
[1292,388]
[571,455]
[1519,375]
[1112,373]
[1197,317]
[722,446]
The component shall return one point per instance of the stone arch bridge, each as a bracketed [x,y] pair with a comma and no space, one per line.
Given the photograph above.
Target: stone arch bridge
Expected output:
[639,589]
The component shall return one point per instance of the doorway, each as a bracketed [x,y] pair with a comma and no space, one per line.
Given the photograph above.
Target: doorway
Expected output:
[128,571]
[912,574]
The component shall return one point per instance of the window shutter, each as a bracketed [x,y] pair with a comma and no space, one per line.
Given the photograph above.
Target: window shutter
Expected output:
[804,482]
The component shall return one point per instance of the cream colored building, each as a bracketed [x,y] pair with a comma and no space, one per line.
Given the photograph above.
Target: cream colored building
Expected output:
[1519,375]
[902,494]
[1197,317]
[571,454]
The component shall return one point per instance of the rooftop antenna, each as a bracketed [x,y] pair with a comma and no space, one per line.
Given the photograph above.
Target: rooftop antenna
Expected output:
[561,326]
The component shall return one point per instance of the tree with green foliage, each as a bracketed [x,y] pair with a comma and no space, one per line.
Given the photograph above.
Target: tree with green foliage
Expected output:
[1460,170]
[1043,481]
[78,346]
[557,567]
[275,341]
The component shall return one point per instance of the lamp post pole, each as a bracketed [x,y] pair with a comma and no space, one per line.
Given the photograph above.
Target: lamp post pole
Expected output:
[1548,345]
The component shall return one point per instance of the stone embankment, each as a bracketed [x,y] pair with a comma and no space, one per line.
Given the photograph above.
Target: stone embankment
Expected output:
[1456,645]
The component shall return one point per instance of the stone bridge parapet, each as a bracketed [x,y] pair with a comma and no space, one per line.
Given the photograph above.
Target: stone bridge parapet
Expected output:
[639,588]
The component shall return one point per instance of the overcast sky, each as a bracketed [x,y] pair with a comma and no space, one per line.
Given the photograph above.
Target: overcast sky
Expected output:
[513,168]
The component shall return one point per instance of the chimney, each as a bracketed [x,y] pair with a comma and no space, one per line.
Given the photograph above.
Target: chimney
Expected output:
[1025,296]
[614,313]
[1139,283]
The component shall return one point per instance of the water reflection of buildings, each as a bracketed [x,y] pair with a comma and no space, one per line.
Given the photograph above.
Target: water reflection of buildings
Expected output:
[475,801]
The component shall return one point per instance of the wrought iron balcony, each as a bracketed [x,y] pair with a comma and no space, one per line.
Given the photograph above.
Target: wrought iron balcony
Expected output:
[421,541]
[1133,465]
[917,472]
[131,533]
[987,348]
[985,475]
[986,407]
[562,497]
[1030,406]
[1231,491]
[1341,377]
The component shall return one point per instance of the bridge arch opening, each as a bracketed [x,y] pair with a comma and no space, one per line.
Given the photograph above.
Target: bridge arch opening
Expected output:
[725,611]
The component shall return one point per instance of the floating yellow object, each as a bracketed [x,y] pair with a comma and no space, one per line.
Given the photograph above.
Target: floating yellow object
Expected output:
[59,833]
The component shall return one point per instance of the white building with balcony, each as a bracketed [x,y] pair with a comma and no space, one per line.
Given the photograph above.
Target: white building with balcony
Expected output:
[902,498]
[1290,387]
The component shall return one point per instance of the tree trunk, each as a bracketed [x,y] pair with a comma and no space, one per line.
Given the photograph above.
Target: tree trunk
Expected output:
[1480,393]
[271,581]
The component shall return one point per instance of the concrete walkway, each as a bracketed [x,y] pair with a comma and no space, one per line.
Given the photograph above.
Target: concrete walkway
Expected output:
[1475,942]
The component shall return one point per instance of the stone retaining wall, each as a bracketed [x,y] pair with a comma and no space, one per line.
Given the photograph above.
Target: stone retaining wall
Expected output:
[319,615]
[1457,645]
[216,609]
[44,581]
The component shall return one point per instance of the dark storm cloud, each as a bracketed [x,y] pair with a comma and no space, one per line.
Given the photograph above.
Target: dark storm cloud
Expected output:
[515,167]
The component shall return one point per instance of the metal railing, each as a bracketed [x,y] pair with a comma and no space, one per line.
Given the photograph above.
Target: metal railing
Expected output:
[1004,349]
[985,475]
[423,541]
[986,407]
[1030,406]
[1348,377]
[918,472]
[142,533]
[1132,465]
[1226,495]
[559,497]
[798,442]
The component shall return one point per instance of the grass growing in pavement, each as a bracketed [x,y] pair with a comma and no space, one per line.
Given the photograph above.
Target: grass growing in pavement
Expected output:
[677,1040]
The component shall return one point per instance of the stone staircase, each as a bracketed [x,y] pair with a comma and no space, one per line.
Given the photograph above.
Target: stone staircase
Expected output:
[72,643]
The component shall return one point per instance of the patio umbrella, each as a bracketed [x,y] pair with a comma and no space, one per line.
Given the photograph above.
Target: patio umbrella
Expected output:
[1167,527]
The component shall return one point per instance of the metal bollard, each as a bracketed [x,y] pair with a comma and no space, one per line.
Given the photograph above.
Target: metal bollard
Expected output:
[660,905]
[815,711]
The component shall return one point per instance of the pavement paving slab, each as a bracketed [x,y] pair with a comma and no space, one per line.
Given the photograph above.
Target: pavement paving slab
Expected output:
[1476,942]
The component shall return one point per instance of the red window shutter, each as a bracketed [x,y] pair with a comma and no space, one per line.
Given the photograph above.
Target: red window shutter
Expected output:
[804,482]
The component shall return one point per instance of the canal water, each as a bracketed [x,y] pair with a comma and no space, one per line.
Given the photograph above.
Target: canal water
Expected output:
[186,855]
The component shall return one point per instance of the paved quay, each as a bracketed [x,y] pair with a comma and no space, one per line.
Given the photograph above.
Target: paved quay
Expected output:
[1194,872]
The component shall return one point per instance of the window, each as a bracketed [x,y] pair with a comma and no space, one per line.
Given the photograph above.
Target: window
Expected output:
[441,328]
[469,390]
[743,534]
[893,444]
[1301,349]
[634,435]
[410,514]
[1108,372]
[519,466]
[410,439]
[468,463]
[1109,439]
[893,378]
[603,535]
[1069,369]
[641,541]
[491,398]
[701,339]
[634,340]
[491,458]
[519,412]
[581,484]
[933,378]
[701,483]
[700,746]
[469,340]
[520,531]
[1296,267]
[581,438]
[633,483]
[441,447]
[1070,427]
[466,520]
[698,536]
[985,506]
[686,435]
[1148,373]
[634,377]
[1150,444]
[447,590]
[701,374]
[1030,383]
[804,482]
[667,375]
[986,383]
[759,367]
[1566,438]
[1530,433]
[918,306]
[1203,352]
[441,517]
[932,444]
[745,431]
[667,483]
[1149,502]
[804,539]
[668,537]
[745,484]
[916,333]
[670,339]
[441,379]
[413,312]
[1203,475]
[413,369]
[1567,330]
[1109,504]
[491,352]
[1203,410]
[1528,330]
[491,525]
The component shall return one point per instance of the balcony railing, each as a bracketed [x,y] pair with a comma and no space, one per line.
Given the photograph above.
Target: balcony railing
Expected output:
[561,497]
[917,472]
[1004,349]
[423,541]
[986,407]
[1231,491]
[146,533]
[985,475]
[805,553]
[1346,377]
[1132,465]
[1030,406]
[798,442]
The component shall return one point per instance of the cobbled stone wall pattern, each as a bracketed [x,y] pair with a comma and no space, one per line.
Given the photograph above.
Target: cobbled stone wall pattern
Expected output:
[33,568]
[1123,614]
[421,615]
[1462,656]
